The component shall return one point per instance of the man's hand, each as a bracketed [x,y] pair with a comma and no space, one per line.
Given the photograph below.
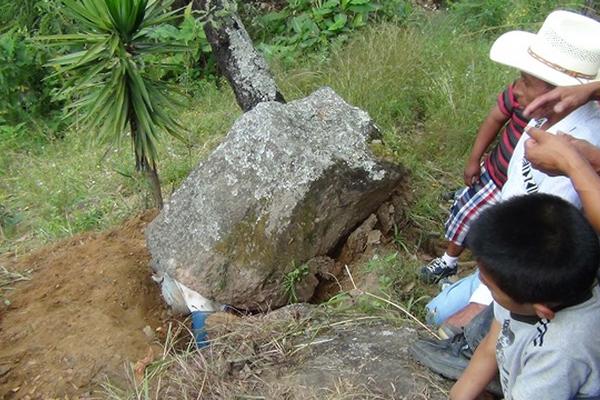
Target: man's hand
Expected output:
[472,172]
[550,153]
[588,151]
[566,98]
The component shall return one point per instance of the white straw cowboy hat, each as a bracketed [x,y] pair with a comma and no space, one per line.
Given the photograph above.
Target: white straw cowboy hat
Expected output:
[565,51]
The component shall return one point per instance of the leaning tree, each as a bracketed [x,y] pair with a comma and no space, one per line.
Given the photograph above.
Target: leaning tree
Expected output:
[109,76]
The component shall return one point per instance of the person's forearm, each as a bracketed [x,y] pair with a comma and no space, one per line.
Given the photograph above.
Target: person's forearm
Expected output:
[586,181]
[596,90]
[487,133]
[592,154]
[481,369]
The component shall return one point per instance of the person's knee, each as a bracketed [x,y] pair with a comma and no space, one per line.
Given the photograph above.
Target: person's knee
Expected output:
[452,299]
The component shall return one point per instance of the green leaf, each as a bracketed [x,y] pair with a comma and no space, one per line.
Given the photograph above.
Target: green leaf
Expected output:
[137,83]
[362,9]
[339,22]
[331,4]
[358,21]
[298,23]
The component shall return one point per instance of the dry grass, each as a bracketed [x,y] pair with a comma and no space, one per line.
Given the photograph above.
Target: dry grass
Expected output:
[9,278]
[245,360]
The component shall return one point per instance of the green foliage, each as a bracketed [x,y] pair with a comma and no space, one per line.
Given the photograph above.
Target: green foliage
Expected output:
[32,16]
[196,62]
[25,94]
[313,24]
[491,15]
[21,77]
[108,77]
[110,83]
[292,278]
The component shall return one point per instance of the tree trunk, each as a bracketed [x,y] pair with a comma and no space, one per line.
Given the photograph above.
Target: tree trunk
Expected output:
[147,168]
[245,69]
[152,176]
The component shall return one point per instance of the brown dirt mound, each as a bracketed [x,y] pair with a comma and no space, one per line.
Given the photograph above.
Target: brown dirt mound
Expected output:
[81,317]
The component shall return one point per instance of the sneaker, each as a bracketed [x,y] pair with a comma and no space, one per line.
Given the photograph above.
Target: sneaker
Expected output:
[448,358]
[436,270]
[452,195]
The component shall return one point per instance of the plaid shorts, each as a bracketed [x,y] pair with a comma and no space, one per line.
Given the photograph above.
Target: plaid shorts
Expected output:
[469,204]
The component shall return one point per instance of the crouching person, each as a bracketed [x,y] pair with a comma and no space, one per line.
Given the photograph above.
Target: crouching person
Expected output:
[539,257]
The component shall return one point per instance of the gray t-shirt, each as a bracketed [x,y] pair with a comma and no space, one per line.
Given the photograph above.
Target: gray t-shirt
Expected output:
[551,360]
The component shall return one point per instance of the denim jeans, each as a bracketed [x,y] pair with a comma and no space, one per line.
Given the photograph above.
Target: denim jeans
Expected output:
[452,299]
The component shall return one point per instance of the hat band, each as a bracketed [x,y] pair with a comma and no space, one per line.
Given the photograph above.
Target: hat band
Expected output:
[558,68]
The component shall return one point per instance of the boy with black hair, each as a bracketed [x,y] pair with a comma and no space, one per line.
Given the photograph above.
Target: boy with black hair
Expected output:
[539,257]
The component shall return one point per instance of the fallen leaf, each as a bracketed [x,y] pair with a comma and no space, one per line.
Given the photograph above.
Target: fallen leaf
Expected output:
[408,287]
[140,366]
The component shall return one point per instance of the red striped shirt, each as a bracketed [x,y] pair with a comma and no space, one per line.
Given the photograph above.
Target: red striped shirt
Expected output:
[498,159]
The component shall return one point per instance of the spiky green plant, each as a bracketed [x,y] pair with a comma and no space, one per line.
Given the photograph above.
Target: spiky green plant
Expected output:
[109,76]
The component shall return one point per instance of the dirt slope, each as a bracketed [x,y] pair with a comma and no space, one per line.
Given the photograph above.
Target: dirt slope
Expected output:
[81,316]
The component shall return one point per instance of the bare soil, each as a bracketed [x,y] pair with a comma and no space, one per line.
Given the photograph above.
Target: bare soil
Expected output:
[81,318]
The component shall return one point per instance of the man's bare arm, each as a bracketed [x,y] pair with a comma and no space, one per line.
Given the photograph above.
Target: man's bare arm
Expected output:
[481,370]
[487,132]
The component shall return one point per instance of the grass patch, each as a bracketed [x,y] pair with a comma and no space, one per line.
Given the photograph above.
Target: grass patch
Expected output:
[245,359]
[56,188]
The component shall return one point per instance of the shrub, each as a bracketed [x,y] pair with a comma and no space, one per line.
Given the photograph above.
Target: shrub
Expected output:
[197,62]
[309,25]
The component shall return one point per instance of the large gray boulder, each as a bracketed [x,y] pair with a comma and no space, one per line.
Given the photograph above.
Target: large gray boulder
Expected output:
[288,183]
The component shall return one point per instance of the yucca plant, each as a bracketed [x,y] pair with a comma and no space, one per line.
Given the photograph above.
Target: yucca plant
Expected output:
[109,80]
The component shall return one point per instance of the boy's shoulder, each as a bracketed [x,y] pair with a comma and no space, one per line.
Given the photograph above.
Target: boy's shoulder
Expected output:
[578,323]
[574,324]
[551,356]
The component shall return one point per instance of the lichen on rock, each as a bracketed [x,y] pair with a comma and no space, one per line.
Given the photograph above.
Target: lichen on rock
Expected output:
[287,184]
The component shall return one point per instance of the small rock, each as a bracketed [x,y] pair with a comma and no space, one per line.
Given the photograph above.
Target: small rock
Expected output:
[292,312]
[374,237]
[219,323]
[385,216]
[4,370]
[357,241]
[148,332]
